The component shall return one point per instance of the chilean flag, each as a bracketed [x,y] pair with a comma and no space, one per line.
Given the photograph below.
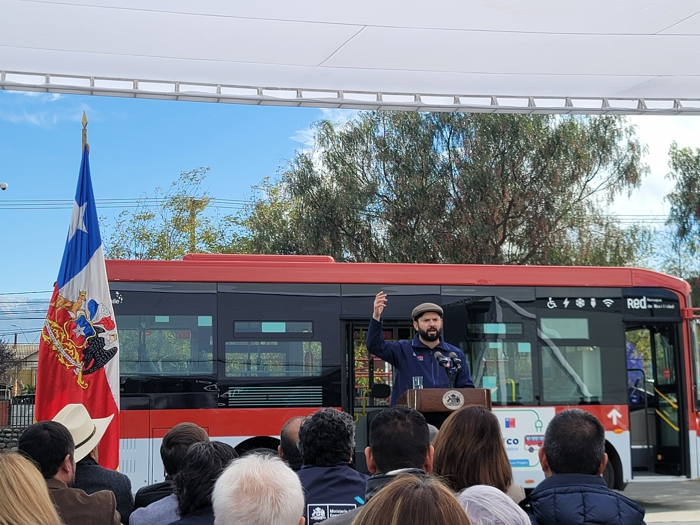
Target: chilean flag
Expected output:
[78,351]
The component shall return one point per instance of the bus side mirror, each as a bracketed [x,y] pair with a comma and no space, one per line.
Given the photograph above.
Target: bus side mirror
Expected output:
[380,390]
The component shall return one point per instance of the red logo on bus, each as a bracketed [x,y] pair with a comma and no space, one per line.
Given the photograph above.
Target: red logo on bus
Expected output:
[533,443]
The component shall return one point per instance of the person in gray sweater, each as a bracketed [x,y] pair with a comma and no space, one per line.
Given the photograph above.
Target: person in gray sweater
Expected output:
[399,444]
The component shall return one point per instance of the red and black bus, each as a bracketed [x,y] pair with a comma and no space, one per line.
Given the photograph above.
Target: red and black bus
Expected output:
[240,343]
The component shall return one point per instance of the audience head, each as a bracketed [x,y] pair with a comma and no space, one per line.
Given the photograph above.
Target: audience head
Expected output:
[433,432]
[399,438]
[487,505]
[86,431]
[200,469]
[574,443]
[413,500]
[469,450]
[327,438]
[50,445]
[24,497]
[258,490]
[175,444]
[289,437]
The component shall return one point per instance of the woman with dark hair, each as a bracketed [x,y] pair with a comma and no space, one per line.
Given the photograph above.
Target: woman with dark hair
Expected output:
[413,500]
[469,450]
[193,484]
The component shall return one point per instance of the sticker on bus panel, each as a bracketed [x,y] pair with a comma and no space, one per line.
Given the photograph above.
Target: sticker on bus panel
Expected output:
[523,433]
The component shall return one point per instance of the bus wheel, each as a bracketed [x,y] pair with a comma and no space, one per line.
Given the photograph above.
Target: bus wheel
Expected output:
[609,475]
[613,470]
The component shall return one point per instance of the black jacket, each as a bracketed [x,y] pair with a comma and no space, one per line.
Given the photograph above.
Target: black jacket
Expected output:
[91,477]
[580,499]
[152,493]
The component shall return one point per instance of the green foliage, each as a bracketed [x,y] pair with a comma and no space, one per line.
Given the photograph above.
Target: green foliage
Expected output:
[685,197]
[455,188]
[176,221]
[9,363]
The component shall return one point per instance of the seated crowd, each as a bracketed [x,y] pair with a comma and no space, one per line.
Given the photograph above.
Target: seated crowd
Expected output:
[461,477]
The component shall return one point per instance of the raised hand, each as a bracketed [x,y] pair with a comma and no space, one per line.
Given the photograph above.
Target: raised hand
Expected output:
[379,304]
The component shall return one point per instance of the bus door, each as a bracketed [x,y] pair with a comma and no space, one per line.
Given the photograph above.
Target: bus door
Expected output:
[369,369]
[656,415]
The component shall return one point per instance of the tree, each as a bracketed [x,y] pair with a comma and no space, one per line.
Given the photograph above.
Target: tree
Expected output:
[175,222]
[455,188]
[9,363]
[685,196]
[680,259]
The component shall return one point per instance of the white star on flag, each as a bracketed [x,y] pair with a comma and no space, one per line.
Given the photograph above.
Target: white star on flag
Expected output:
[77,221]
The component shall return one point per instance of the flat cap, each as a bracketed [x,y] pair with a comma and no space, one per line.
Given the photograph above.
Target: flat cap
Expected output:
[425,307]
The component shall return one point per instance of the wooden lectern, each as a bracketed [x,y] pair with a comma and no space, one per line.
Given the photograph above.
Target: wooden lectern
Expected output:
[444,400]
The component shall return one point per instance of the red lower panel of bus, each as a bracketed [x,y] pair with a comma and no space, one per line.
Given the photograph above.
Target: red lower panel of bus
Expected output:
[269,421]
[218,422]
[615,418]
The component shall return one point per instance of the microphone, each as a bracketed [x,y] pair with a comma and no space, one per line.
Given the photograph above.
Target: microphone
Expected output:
[456,361]
[442,360]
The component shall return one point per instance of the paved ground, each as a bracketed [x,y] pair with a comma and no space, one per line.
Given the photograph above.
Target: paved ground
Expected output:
[667,502]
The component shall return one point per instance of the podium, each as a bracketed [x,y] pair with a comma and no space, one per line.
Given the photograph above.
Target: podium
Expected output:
[444,400]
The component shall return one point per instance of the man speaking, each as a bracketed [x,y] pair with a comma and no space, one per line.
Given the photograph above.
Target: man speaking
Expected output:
[427,355]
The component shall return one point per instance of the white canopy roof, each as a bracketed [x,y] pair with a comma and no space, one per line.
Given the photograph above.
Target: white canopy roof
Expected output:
[545,56]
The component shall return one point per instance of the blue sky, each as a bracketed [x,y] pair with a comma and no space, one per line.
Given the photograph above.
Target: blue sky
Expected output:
[138,145]
[135,146]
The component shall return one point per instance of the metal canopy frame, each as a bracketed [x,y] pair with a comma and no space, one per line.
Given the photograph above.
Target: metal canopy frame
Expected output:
[510,56]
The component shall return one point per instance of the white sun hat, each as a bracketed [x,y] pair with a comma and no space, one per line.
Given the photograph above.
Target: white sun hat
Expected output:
[86,431]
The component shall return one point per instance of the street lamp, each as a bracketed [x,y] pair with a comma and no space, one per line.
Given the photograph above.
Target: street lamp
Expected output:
[21,330]
[3,186]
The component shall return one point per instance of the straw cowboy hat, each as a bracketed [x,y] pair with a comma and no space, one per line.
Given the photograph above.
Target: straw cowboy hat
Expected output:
[86,432]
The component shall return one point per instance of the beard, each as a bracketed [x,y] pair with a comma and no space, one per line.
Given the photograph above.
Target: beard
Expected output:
[430,336]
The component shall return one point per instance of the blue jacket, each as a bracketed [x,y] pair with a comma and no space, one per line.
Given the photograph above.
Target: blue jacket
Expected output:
[203,516]
[330,491]
[580,499]
[413,358]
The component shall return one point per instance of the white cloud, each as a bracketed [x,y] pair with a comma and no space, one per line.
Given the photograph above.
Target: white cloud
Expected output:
[657,132]
[41,116]
[338,117]
[37,95]
[305,137]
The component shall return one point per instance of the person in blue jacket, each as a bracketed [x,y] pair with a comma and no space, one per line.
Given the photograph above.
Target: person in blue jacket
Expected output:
[416,358]
[574,493]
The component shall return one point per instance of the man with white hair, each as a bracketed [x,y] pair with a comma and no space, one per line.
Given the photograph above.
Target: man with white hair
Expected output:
[486,505]
[258,489]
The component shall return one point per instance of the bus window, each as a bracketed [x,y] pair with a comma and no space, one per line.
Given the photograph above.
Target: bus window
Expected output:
[571,374]
[497,335]
[505,368]
[166,345]
[273,358]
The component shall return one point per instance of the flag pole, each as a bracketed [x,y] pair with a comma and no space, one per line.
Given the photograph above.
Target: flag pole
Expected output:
[85,123]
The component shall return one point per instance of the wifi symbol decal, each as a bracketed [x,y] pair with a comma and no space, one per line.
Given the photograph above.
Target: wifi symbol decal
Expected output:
[608,302]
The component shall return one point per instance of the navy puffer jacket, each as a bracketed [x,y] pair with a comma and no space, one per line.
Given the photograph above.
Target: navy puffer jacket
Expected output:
[580,499]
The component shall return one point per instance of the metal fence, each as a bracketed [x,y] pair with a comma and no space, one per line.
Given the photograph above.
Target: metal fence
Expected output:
[22,410]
